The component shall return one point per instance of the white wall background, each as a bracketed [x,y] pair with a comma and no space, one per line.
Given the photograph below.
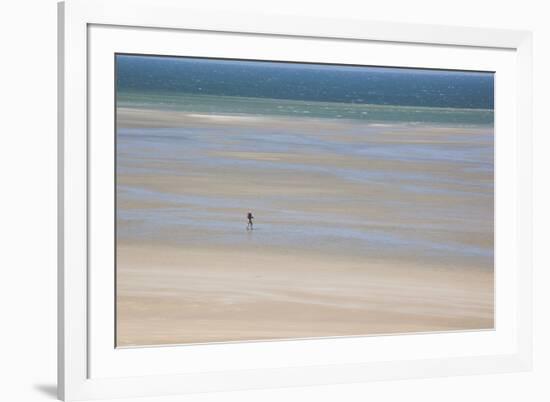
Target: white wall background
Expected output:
[28,200]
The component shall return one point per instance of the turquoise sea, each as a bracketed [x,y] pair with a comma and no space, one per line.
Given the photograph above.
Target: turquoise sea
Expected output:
[234,105]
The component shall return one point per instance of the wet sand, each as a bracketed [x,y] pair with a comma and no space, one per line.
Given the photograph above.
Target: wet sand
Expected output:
[361,229]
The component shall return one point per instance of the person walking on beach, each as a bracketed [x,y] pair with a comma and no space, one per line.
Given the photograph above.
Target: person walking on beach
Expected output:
[249,225]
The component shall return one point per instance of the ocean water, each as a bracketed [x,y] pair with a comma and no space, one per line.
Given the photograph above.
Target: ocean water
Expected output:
[382,163]
[304,90]
[233,105]
[305,82]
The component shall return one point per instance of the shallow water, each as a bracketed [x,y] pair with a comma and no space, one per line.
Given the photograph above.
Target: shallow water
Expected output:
[387,191]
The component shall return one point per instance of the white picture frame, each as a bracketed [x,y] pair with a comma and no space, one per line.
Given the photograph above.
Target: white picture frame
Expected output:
[90,367]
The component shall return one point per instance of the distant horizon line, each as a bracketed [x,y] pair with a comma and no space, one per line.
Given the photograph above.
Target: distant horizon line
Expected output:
[304,64]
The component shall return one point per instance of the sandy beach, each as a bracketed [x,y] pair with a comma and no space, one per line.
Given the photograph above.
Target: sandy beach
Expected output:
[361,229]
[170,296]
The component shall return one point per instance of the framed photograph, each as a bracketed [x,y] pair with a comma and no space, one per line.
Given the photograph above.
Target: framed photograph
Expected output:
[254,201]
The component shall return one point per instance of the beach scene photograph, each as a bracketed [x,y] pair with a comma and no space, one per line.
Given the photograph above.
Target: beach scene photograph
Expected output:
[265,200]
